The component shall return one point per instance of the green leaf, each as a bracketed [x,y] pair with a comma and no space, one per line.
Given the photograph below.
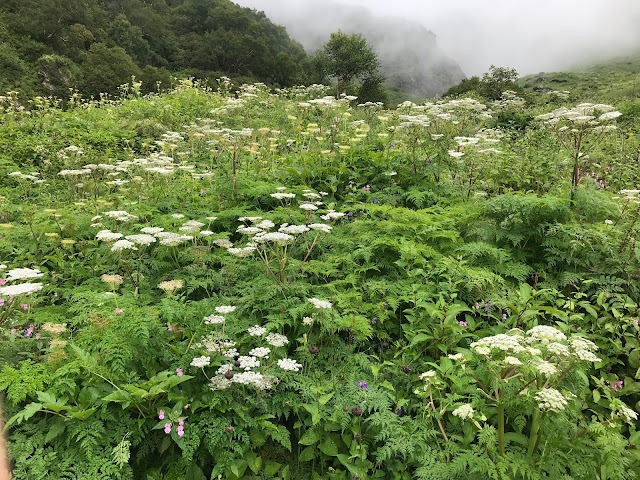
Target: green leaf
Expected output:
[255,463]
[421,337]
[325,398]
[329,447]
[25,414]
[313,410]
[310,437]
[309,453]
[57,427]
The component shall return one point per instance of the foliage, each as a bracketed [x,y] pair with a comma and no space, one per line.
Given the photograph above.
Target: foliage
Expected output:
[247,283]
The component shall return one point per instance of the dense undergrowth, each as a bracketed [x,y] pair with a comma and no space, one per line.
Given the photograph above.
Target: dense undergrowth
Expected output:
[215,285]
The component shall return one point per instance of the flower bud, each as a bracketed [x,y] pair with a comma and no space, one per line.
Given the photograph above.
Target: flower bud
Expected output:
[356,411]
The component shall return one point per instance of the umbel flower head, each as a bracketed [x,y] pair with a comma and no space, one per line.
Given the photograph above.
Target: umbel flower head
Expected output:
[170,286]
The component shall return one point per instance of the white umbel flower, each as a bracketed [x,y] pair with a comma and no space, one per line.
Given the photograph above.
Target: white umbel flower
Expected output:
[20,289]
[550,399]
[141,239]
[201,362]
[222,309]
[320,304]
[260,352]
[289,364]
[277,340]
[107,235]
[214,319]
[23,274]
[121,245]
[545,333]
[464,412]
[256,331]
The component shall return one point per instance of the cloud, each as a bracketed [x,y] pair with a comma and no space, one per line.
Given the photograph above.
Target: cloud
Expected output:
[531,36]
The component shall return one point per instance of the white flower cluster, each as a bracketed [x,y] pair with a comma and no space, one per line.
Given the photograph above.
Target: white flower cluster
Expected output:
[192,226]
[277,340]
[293,229]
[171,239]
[625,412]
[121,245]
[107,235]
[141,239]
[278,238]
[223,309]
[214,319]
[583,349]
[320,227]
[260,352]
[120,215]
[544,367]
[308,321]
[502,341]
[289,364]
[544,333]
[256,331]
[332,215]
[282,195]
[247,363]
[20,289]
[201,362]
[152,230]
[23,274]
[550,399]
[320,304]
[464,412]
[239,252]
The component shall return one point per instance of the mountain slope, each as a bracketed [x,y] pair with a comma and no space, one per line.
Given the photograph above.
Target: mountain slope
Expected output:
[48,46]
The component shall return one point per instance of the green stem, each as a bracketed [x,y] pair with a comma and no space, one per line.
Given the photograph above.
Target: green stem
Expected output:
[533,436]
[501,429]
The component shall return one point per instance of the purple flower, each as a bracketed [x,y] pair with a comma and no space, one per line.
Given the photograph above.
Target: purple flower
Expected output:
[504,316]
[362,384]
[430,161]
[399,412]
[373,322]
[350,214]
[375,201]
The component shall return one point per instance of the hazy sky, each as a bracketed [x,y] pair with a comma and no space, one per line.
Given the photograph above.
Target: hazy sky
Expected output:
[531,36]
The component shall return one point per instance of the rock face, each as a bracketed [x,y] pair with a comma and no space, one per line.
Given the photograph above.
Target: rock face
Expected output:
[408,52]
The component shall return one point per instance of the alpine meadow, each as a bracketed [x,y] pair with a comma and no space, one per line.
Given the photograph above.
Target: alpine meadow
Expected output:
[223,257]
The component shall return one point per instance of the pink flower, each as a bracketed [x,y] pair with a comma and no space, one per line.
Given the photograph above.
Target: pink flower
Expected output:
[462,323]
[55,294]
[2,281]
[170,328]
[180,433]
[119,310]
[179,372]
[181,421]
[201,191]
[1,302]
[14,330]
[161,415]
[38,336]
[24,306]
[167,428]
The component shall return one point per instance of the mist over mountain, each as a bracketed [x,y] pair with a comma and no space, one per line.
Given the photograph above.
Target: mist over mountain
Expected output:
[410,56]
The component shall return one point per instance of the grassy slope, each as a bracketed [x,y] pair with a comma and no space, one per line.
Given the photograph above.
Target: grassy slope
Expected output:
[615,81]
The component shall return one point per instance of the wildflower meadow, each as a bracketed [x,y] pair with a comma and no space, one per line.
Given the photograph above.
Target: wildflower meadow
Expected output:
[246,283]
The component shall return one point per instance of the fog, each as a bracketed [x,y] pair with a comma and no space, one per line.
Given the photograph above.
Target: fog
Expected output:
[531,36]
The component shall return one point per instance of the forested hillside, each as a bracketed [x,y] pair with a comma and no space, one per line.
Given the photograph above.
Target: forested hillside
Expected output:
[49,46]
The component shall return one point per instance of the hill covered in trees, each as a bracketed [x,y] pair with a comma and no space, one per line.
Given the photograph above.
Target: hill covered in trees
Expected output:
[50,46]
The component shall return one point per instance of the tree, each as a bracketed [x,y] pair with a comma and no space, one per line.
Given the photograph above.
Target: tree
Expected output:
[349,59]
[491,85]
